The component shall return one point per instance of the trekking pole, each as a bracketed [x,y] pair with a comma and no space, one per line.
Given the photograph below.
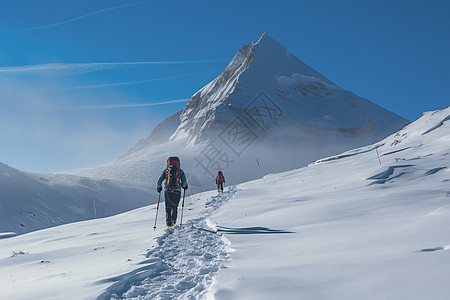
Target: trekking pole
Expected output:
[182,208]
[157,208]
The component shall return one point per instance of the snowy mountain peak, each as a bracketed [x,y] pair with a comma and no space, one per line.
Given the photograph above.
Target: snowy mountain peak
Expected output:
[280,62]
[270,59]
[264,66]
[266,104]
[217,90]
[294,91]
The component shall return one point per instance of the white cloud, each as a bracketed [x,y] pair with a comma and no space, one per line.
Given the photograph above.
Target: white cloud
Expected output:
[82,68]
[82,16]
[126,105]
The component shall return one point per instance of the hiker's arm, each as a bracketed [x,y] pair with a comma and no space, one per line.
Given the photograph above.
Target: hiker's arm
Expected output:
[183,179]
[161,178]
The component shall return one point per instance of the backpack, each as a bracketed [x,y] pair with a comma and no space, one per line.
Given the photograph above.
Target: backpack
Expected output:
[219,176]
[173,173]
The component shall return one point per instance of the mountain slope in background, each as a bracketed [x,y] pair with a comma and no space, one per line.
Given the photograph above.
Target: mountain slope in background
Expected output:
[30,201]
[266,105]
[345,227]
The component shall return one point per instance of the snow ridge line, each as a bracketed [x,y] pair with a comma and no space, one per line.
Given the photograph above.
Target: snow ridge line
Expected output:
[182,265]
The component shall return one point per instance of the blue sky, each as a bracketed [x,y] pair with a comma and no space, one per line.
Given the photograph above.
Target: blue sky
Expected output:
[82,81]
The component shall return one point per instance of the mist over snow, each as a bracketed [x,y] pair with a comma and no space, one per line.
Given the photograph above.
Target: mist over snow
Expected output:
[343,227]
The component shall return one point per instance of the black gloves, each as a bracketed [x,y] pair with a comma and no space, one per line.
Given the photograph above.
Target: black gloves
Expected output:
[185,187]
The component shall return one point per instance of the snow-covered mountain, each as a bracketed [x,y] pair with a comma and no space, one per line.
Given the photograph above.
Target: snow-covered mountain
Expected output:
[268,106]
[30,201]
[344,227]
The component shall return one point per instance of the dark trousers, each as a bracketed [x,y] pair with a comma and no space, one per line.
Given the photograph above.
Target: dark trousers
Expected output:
[220,186]
[172,199]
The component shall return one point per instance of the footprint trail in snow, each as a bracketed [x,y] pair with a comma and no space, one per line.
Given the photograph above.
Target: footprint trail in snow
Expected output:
[183,263]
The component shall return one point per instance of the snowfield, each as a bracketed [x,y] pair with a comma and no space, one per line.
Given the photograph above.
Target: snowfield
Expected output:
[344,227]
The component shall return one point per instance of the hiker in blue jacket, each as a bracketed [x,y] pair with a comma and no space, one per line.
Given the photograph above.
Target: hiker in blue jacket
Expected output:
[175,179]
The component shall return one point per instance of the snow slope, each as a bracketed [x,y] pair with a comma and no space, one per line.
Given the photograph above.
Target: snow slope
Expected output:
[361,230]
[344,227]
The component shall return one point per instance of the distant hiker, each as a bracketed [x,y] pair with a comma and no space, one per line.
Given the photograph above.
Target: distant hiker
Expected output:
[220,180]
[174,179]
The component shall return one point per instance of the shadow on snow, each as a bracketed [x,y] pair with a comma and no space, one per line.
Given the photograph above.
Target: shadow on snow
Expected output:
[250,230]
